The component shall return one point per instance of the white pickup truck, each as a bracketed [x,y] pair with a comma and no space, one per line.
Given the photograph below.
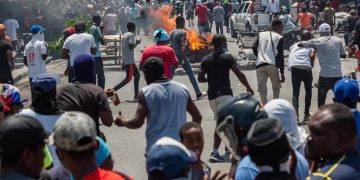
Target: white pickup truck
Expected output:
[245,21]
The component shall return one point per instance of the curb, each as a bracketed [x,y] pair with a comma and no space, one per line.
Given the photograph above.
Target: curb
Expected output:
[24,69]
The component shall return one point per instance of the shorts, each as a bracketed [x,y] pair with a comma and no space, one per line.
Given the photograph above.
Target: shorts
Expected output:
[217,102]
[189,15]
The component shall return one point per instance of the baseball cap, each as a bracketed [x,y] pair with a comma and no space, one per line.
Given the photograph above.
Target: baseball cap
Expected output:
[70,30]
[20,131]
[10,95]
[36,28]
[102,153]
[79,27]
[74,131]
[324,28]
[346,89]
[161,35]
[45,82]
[169,156]
[267,141]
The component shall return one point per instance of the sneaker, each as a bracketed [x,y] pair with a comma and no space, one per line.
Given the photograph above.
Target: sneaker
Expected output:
[200,96]
[307,117]
[215,158]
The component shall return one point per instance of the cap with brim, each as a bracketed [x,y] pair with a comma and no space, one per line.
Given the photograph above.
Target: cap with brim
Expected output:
[11,96]
[102,153]
[36,28]
[161,35]
[45,82]
[19,132]
[74,131]
[346,90]
[324,28]
[169,157]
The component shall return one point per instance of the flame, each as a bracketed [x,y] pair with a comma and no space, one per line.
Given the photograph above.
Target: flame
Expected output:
[163,19]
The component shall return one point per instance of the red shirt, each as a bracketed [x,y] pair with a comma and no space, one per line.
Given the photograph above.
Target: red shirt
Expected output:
[164,52]
[201,13]
[101,174]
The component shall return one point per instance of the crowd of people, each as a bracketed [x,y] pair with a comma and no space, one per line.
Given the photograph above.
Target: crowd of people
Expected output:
[59,135]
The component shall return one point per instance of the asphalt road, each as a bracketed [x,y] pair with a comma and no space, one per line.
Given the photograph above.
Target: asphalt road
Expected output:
[128,146]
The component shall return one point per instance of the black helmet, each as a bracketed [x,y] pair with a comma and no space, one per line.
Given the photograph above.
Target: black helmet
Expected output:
[235,119]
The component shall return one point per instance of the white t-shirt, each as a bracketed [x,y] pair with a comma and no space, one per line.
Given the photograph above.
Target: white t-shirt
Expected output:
[33,51]
[299,57]
[48,122]
[111,20]
[11,26]
[79,43]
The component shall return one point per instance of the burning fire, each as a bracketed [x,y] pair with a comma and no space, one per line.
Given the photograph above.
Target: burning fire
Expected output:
[163,19]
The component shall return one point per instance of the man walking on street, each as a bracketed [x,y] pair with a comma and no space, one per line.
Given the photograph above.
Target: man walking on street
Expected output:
[128,45]
[97,32]
[219,14]
[6,56]
[76,44]
[217,66]
[11,27]
[329,16]
[164,103]
[300,63]
[201,11]
[189,11]
[330,49]
[178,42]
[35,53]
[269,49]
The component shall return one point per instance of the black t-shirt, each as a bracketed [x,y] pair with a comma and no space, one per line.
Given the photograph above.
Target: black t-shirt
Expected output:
[5,71]
[87,98]
[351,22]
[217,66]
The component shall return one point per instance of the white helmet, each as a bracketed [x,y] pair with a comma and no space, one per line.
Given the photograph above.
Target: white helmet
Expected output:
[324,28]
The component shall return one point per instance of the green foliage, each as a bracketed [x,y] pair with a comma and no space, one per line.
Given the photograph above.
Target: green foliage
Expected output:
[56,45]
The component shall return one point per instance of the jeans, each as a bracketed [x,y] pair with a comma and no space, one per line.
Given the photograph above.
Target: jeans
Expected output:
[298,76]
[227,21]
[262,74]
[347,37]
[99,70]
[203,27]
[131,70]
[324,85]
[187,67]
[219,27]
[71,74]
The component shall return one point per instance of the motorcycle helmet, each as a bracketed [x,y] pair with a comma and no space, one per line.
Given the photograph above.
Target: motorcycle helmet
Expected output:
[283,10]
[234,121]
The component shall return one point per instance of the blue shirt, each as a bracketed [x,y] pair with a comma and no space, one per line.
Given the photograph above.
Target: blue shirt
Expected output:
[247,170]
[357,121]
[347,169]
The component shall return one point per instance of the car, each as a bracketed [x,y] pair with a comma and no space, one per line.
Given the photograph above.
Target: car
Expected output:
[244,21]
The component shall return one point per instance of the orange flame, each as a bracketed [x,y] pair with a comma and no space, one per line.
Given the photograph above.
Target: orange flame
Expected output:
[163,19]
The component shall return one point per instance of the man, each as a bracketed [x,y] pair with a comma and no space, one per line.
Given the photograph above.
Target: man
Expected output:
[329,50]
[350,26]
[6,57]
[286,4]
[217,66]
[219,14]
[11,27]
[134,12]
[44,105]
[287,21]
[269,147]
[333,138]
[163,102]
[300,63]
[22,142]
[346,92]
[160,160]
[74,136]
[329,16]
[83,95]
[178,42]
[305,19]
[228,11]
[273,8]
[128,45]
[35,53]
[76,44]
[163,51]
[12,99]
[269,49]
[189,11]
[97,32]
[110,22]
[201,12]
[356,38]
[314,9]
